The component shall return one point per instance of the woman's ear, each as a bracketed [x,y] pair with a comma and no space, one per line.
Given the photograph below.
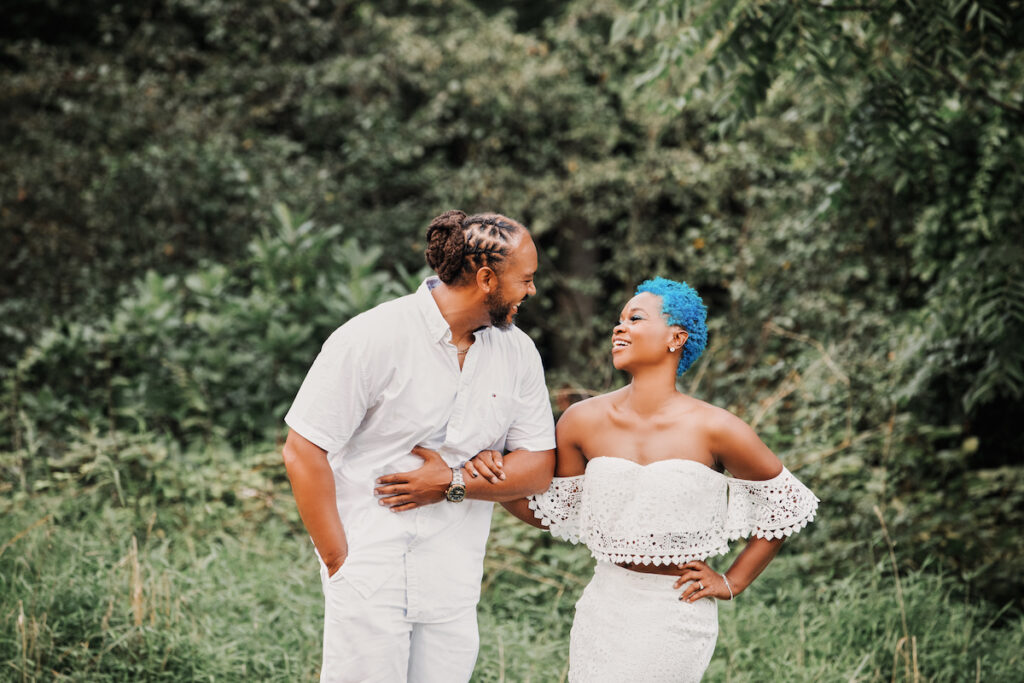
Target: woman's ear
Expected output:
[679,337]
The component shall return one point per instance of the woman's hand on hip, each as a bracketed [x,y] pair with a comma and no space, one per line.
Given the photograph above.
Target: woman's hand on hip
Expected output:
[706,582]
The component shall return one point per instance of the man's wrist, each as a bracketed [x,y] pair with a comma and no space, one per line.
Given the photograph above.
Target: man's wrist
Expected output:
[456,491]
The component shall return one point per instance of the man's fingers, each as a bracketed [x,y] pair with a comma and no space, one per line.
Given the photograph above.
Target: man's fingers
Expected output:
[403,508]
[425,453]
[389,490]
[397,477]
[392,501]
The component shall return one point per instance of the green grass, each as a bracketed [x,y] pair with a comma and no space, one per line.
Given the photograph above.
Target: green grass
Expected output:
[97,599]
[96,587]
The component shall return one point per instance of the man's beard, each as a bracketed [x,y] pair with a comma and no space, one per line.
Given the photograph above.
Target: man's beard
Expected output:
[499,310]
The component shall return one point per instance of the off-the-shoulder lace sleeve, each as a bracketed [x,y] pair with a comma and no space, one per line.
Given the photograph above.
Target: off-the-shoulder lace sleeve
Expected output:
[559,507]
[773,508]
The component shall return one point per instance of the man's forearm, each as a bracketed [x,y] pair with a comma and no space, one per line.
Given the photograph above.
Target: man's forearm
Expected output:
[526,473]
[313,487]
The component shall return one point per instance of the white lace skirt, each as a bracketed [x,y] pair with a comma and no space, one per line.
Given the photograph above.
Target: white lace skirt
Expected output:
[632,627]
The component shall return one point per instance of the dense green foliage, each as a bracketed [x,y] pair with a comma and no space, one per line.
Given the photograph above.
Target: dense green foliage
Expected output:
[217,352]
[840,182]
[919,109]
[901,261]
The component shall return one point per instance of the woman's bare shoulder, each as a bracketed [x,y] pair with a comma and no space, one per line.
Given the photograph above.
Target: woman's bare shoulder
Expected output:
[589,410]
[735,444]
[715,418]
[722,428]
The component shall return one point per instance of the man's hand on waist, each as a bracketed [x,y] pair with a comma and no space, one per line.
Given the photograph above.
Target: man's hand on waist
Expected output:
[409,490]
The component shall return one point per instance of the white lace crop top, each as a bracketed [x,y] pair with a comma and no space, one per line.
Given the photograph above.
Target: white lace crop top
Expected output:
[670,511]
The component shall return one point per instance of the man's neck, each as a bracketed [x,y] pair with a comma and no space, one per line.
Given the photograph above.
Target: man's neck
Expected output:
[461,309]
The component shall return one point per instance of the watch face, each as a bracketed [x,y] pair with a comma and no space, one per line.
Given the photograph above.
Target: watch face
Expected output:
[456,493]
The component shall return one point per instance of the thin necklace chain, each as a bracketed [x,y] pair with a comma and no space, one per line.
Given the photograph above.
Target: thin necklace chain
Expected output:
[463,352]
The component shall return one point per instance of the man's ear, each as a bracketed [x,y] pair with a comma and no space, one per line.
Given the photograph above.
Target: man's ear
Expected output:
[486,279]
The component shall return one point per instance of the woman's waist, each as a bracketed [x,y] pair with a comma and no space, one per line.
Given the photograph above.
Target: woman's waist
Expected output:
[647,578]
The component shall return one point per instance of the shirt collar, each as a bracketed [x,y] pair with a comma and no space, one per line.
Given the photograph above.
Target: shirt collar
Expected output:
[437,326]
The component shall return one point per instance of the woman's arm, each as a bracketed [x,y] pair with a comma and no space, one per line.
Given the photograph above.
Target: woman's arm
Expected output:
[569,460]
[738,448]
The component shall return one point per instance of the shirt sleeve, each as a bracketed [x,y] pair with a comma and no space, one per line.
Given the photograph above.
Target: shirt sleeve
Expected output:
[773,508]
[533,428]
[558,508]
[335,394]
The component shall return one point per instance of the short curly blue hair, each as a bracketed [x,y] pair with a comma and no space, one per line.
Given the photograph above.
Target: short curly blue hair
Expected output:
[682,306]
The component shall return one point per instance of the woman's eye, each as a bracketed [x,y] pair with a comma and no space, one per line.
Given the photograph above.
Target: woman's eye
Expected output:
[636,317]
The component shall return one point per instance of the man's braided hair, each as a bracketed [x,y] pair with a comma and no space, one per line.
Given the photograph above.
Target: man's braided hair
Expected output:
[458,245]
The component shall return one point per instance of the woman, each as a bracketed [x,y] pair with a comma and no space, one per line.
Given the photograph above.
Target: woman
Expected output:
[639,481]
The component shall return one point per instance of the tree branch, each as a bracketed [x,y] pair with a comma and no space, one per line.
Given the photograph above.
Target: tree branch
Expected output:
[977,90]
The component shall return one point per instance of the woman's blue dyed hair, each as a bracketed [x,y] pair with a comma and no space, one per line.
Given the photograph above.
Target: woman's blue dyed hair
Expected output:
[682,306]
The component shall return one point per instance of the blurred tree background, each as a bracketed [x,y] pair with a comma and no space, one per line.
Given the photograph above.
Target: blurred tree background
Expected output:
[196,193]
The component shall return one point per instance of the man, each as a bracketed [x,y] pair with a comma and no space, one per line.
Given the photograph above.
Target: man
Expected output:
[398,400]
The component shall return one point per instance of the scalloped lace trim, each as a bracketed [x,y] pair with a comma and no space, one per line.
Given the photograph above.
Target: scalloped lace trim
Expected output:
[557,529]
[669,515]
[657,560]
[775,508]
[558,508]
[772,533]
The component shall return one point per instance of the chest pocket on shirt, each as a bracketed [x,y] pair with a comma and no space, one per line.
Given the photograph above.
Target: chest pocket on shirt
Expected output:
[494,414]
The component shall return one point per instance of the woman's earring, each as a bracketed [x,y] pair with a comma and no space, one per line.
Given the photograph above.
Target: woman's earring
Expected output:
[671,349]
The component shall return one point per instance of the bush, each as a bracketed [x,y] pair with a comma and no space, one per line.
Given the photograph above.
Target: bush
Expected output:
[215,354]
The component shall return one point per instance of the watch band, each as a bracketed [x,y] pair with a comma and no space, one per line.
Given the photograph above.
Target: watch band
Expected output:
[457,490]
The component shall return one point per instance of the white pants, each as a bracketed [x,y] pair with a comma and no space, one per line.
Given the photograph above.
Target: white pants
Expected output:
[370,640]
[631,626]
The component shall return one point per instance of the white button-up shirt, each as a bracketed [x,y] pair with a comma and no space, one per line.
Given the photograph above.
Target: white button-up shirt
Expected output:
[388,380]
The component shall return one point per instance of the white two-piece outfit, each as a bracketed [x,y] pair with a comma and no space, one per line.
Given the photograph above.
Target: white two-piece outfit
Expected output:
[402,607]
[631,626]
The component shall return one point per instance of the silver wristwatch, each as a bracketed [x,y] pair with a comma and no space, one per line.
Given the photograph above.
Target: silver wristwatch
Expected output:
[457,491]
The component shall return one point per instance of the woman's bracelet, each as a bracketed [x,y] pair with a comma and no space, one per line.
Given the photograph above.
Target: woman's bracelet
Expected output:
[727,585]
